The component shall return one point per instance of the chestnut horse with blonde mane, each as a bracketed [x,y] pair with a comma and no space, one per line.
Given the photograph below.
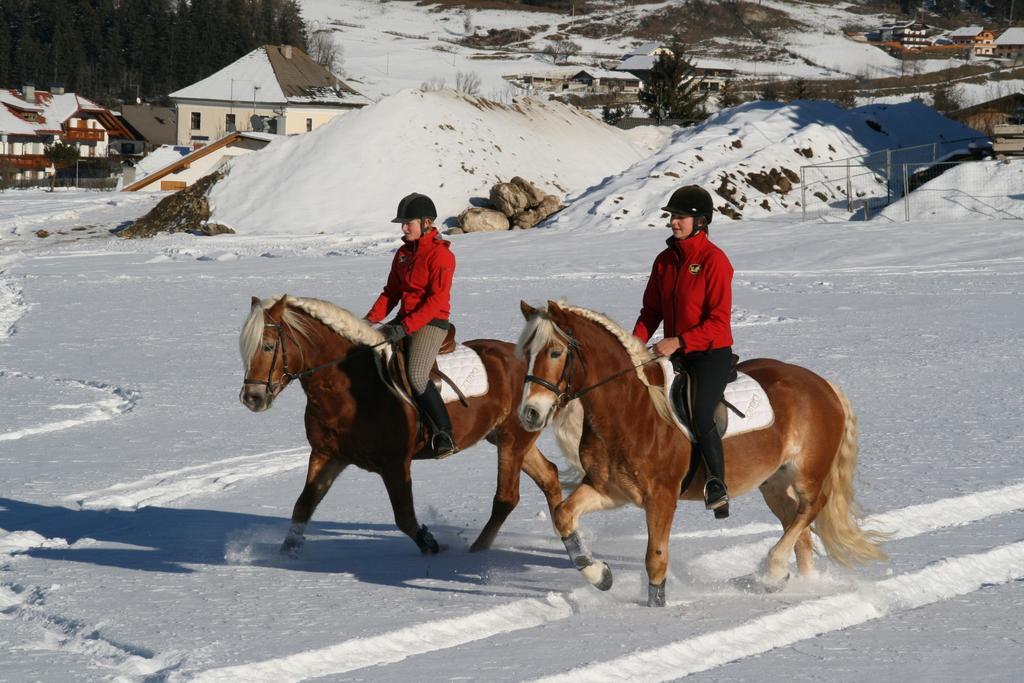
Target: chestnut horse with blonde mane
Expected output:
[353,418]
[630,452]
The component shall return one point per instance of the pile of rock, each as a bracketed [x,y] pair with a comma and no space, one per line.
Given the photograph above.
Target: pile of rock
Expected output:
[516,204]
[187,210]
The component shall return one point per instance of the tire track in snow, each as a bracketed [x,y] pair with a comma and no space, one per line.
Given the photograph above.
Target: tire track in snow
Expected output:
[197,480]
[27,604]
[394,646]
[907,522]
[949,578]
[120,401]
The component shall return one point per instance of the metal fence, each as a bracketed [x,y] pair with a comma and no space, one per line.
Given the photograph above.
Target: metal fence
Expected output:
[914,190]
[83,183]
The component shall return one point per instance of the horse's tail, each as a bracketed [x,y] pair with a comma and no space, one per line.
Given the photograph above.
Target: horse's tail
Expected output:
[838,523]
[568,432]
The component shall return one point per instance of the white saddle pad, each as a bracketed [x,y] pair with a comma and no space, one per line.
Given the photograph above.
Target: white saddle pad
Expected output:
[465,368]
[745,393]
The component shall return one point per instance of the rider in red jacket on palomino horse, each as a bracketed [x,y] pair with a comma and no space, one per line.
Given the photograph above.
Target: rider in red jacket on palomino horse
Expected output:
[421,280]
[690,290]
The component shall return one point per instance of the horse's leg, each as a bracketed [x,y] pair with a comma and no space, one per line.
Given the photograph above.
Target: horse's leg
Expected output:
[545,476]
[506,496]
[323,470]
[398,481]
[661,510]
[567,514]
[781,498]
[796,508]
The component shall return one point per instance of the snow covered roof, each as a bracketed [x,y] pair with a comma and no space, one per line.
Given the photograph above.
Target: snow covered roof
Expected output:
[636,63]
[51,111]
[1011,36]
[644,49]
[603,73]
[274,74]
[966,32]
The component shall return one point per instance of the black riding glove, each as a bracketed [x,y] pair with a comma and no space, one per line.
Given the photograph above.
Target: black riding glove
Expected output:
[392,332]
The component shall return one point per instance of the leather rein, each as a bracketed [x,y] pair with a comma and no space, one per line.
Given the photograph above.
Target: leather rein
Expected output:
[281,346]
[562,398]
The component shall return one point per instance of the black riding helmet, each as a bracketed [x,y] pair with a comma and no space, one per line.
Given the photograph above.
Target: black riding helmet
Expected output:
[414,206]
[691,200]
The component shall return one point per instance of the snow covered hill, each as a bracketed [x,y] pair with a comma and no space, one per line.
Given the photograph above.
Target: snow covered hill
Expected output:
[348,176]
[750,158]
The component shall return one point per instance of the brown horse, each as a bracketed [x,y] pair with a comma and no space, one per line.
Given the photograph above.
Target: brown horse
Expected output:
[630,451]
[352,418]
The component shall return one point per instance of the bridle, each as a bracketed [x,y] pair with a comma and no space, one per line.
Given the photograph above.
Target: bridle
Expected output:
[279,345]
[562,398]
[567,377]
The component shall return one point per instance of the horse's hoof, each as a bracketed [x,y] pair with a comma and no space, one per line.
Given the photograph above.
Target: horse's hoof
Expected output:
[656,594]
[599,575]
[427,543]
[291,547]
[775,585]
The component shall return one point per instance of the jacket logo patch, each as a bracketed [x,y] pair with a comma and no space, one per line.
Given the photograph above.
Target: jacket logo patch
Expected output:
[694,269]
[402,258]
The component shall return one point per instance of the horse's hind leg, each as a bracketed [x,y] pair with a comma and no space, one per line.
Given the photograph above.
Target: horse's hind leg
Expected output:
[796,511]
[323,470]
[567,514]
[398,481]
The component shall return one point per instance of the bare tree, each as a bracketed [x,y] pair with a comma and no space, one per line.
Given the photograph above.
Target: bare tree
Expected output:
[434,84]
[323,49]
[561,50]
[467,82]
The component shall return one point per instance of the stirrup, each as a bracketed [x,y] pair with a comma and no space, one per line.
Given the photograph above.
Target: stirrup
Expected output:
[720,501]
[443,445]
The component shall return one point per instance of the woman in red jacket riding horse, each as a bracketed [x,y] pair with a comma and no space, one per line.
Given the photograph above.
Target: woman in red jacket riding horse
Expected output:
[690,289]
[421,280]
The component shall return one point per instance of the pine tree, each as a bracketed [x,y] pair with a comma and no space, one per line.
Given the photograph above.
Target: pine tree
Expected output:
[671,90]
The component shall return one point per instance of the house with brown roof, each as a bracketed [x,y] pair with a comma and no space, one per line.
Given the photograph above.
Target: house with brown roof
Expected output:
[31,119]
[273,89]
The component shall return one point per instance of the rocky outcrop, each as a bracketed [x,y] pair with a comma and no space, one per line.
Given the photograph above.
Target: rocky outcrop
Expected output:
[184,211]
[531,217]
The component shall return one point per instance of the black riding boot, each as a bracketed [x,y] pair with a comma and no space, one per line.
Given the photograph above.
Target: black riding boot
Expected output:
[716,497]
[433,408]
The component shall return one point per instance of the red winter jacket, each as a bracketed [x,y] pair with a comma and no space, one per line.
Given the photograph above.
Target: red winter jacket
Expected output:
[690,289]
[421,277]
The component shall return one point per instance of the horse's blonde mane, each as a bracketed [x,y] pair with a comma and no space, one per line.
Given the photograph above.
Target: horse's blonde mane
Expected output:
[540,331]
[343,322]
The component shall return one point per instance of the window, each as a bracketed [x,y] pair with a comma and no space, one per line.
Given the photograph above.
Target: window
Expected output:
[197,120]
[229,122]
[309,125]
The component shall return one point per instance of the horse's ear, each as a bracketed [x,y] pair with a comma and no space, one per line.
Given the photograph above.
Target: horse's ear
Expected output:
[553,307]
[528,310]
[256,303]
[277,310]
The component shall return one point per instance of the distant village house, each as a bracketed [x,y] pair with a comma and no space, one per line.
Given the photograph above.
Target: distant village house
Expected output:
[31,119]
[1010,44]
[274,89]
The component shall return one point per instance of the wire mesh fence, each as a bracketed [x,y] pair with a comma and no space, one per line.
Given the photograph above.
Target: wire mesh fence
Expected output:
[861,187]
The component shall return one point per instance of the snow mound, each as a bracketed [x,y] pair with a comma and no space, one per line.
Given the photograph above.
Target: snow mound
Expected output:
[348,176]
[972,190]
[749,158]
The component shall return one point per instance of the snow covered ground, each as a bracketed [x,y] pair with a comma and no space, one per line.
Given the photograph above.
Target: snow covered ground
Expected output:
[141,505]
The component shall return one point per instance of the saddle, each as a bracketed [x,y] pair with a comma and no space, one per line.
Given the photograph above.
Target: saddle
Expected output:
[683,391]
[395,374]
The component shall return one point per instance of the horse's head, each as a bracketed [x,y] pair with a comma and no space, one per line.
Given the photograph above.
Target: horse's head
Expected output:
[270,354]
[553,360]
